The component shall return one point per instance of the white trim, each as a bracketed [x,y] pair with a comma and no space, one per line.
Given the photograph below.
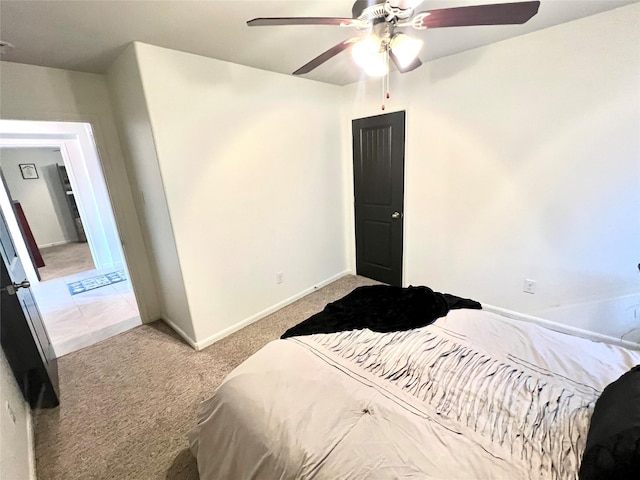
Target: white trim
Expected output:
[134,261]
[31,439]
[180,332]
[593,304]
[19,242]
[247,321]
[54,244]
[559,327]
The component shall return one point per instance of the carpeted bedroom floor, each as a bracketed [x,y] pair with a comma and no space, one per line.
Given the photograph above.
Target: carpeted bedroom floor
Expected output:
[128,402]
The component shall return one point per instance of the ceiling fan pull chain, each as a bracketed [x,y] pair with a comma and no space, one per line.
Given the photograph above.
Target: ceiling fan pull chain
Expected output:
[388,76]
[385,78]
[383,89]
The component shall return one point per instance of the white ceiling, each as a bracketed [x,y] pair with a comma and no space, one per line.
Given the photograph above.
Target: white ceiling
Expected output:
[88,35]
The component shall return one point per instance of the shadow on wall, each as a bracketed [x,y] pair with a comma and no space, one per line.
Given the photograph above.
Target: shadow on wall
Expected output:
[59,200]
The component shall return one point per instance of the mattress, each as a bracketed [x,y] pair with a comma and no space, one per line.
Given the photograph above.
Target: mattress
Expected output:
[474,395]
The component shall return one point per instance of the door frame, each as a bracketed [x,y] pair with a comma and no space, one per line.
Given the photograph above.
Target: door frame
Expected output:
[117,177]
[75,141]
[349,187]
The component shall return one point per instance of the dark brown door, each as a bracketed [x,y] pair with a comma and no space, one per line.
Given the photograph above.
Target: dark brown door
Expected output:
[378,165]
[23,335]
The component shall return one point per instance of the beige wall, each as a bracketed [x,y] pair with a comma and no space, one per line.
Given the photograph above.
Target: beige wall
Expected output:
[42,199]
[252,170]
[16,436]
[38,93]
[522,163]
[138,143]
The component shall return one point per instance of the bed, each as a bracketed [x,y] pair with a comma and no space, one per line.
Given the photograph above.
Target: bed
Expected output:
[472,395]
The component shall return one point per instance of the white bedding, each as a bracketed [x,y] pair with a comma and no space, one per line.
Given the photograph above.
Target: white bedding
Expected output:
[473,396]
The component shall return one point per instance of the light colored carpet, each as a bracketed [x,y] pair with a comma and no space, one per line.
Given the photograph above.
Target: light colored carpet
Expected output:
[64,260]
[128,402]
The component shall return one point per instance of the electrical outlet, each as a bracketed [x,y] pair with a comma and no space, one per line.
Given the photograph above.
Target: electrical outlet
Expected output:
[279,277]
[529,286]
[11,414]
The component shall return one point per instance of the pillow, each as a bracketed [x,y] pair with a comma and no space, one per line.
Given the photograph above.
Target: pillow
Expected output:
[613,442]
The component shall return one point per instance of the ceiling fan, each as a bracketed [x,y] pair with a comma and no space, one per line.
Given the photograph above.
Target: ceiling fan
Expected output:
[384,21]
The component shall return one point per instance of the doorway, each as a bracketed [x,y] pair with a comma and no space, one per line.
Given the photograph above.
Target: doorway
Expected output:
[45,204]
[89,297]
[378,167]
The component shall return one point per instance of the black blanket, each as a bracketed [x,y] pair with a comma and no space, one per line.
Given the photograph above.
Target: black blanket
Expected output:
[381,308]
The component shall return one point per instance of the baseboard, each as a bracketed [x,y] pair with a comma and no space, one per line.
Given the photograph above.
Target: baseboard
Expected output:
[562,328]
[268,311]
[54,244]
[621,313]
[180,332]
[31,438]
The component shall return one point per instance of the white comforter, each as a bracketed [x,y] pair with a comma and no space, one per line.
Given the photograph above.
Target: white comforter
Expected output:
[473,396]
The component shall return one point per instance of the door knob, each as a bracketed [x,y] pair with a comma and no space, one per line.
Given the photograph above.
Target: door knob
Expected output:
[396,215]
[11,289]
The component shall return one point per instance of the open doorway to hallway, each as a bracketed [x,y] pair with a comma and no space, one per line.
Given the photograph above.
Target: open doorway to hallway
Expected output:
[45,204]
[56,203]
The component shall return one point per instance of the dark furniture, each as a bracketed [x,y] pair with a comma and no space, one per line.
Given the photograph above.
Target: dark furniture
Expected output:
[34,251]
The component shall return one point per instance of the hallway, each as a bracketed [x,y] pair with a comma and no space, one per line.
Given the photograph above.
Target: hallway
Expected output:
[65,259]
[67,173]
[77,321]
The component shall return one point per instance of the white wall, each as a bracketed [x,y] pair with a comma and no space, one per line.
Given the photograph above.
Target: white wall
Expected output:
[522,162]
[42,199]
[39,93]
[16,454]
[251,163]
[616,317]
[129,102]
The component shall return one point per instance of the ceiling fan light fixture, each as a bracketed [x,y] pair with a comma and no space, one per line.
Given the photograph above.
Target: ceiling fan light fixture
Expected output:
[405,48]
[370,56]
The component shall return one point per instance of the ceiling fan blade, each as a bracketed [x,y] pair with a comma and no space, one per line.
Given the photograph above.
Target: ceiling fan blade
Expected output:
[323,57]
[495,14]
[271,21]
[412,66]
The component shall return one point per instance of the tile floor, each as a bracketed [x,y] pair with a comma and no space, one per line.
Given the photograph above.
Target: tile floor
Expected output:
[77,321]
